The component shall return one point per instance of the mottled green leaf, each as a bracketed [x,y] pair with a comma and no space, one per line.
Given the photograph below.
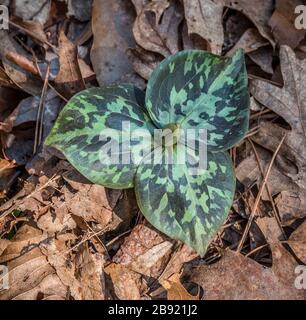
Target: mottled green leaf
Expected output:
[83,126]
[190,90]
[198,90]
[187,207]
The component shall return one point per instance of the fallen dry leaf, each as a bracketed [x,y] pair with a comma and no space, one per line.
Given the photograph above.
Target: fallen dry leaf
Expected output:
[73,71]
[297,242]
[32,10]
[90,202]
[82,272]
[144,62]
[250,41]
[288,103]
[30,275]
[22,62]
[26,112]
[270,229]
[204,17]
[139,5]
[81,10]
[7,171]
[175,289]
[282,23]
[112,22]
[145,251]
[263,57]
[90,273]
[34,27]
[156,27]
[176,263]
[23,79]
[3,245]
[248,173]
[126,282]
[236,277]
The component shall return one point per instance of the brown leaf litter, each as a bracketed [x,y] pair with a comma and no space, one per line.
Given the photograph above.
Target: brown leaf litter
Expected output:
[65,238]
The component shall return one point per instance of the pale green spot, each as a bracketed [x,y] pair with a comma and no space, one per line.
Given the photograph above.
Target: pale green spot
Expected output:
[171,67]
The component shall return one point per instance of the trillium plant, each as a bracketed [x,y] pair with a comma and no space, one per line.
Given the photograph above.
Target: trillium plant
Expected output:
[192,91]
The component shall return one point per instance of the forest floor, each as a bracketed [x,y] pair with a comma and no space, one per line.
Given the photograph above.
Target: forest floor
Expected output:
[64,238]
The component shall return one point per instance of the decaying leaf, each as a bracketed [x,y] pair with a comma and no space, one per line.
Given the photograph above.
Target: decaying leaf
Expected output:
[90,273]
[30,275]
[25,80]
[175,289]
[204,17]
[126,283]
[250,41]
[156,27]
[145,251]
[297,242]
[144,62]
[258,11]
[263,57]
[33,10]
[176,263]
[7,170]
[34,27]
[73,71]
[82,272]
[248,173]
[288,102]
[270,229]
[112,22]
[81,10]
[236,277]
[282,23]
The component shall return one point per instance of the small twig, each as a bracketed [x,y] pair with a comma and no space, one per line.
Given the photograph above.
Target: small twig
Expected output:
[260,113]
[253,77]
[40,113]
[256,249]
[22,194]
[252,132]
[230,224]
[12,80]
[111,242]
[98,239]
[60,95]
[276,215]
[33,35]
[63,253]
[252,215]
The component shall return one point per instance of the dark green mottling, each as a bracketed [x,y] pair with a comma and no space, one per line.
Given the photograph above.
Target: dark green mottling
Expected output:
[190,90]
[187,207]
[202,91]
[77,132]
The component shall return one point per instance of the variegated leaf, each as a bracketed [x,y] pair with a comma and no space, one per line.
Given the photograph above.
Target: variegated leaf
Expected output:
[186,206]
[190,90]
[84,127]
[198,90]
